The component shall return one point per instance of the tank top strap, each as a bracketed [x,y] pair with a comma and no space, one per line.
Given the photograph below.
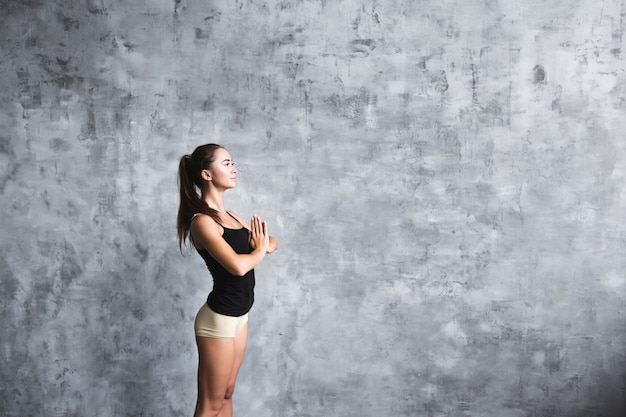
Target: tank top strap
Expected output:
[233,217]
[193,218]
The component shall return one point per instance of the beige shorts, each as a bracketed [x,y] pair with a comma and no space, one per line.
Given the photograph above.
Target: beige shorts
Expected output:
[208,323]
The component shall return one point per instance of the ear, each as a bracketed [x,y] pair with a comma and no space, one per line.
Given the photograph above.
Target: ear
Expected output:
[205,175]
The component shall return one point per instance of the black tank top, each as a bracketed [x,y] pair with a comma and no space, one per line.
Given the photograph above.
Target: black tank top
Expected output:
[231,295]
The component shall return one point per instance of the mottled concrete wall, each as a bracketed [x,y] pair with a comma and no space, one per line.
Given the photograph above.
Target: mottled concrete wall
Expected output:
[446,179]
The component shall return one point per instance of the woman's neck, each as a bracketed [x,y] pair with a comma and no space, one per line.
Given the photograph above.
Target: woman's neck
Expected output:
[214,199]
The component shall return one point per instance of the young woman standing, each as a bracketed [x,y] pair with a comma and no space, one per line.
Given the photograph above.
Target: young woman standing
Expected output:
[231,249]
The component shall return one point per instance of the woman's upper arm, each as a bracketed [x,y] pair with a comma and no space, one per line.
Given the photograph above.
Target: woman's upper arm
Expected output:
[207,234]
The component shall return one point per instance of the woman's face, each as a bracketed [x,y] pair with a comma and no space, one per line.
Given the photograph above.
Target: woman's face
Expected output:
[222,171]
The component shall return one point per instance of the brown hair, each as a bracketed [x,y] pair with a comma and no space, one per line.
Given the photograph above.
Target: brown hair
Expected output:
[189,178]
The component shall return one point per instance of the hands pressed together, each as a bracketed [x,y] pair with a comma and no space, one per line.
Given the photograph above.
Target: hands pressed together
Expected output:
[259,237]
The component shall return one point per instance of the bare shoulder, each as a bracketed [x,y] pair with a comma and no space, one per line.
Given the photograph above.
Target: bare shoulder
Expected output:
[204,228]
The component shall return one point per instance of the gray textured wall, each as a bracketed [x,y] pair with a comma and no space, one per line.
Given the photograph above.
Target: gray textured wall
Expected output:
[446,179]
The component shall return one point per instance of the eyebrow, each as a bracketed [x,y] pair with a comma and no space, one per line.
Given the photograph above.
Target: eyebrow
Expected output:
[227,160]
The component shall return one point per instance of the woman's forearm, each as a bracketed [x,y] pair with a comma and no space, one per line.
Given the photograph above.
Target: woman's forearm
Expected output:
[243,263]
[273,245]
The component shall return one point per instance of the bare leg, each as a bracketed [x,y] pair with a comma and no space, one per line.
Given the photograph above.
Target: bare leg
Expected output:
[219,362]
[215,367]
[241,339]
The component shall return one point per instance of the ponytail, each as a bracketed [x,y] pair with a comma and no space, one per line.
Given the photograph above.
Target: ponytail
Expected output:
[189,181]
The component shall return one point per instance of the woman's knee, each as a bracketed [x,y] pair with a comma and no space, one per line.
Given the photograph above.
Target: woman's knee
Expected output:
[210,409]
[229,392]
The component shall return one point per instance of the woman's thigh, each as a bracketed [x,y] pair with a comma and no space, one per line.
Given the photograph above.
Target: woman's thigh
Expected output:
[241,340]
[215,367]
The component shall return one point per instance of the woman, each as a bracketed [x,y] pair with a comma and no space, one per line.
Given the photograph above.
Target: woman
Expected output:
[231,249]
